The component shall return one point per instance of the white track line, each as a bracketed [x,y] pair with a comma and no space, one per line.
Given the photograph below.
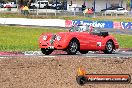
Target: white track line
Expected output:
[47,56]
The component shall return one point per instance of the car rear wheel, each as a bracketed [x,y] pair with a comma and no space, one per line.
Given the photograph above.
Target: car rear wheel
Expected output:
[46,51]
[73,47]
[83,51]
[81,80]
[109,47]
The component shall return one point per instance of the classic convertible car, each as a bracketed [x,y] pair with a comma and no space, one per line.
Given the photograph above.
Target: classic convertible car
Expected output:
[79,38]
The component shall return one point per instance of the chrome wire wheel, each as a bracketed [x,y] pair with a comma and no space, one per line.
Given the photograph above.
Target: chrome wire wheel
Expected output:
[73,47]
[109,47]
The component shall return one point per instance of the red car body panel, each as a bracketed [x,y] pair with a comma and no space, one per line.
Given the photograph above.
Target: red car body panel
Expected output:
[86,40]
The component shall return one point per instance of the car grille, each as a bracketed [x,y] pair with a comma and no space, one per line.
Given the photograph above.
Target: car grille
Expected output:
[52,39]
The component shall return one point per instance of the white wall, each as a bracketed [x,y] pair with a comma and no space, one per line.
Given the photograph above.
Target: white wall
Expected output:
[33,22]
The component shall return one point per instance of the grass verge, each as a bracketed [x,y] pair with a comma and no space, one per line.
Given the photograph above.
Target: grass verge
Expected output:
[125,41]
[96,18]
[13,38]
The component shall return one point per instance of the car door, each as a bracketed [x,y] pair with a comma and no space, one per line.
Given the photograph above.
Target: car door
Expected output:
[83,38]
[95,42]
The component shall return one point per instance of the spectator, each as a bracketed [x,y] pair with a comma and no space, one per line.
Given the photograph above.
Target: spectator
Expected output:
[83,7]
[71,3]
[90,28]
[25,10]
[21,8]
[92,9]
[88,11]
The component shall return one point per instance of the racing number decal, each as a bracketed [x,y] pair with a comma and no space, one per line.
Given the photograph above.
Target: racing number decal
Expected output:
[99,44]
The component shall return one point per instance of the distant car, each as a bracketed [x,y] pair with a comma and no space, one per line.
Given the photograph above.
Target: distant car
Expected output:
[116,10]
[56,5]
[1,5]
[78,38]
[39,4]
[10,5]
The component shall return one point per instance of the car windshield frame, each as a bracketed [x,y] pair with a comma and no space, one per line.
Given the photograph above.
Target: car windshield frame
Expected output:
[86,28]
[79,29]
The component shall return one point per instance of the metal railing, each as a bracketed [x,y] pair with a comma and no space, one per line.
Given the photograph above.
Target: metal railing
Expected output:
[53,12]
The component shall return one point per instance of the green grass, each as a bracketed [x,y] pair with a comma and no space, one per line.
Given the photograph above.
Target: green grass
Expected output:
[125,41]
[13,38]
[97,18]
[20,38]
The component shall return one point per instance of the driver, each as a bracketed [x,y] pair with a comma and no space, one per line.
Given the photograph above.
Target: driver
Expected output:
[90,28]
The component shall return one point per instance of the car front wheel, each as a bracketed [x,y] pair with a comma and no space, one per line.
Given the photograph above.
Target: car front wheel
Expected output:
[46,51]
[73,47]
[109,47]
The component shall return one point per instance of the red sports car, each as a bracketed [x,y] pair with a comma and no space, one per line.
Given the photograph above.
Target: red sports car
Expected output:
[78,38]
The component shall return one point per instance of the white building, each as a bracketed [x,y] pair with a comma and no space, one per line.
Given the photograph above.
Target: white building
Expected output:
[98,5]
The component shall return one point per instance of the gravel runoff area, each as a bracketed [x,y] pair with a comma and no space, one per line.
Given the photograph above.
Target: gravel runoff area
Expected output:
[59,72]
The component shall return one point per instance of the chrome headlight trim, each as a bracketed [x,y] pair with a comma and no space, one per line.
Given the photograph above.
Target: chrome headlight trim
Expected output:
[45,37]
[58,38]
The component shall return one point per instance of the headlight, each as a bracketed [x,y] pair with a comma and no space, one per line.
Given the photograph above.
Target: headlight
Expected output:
[58,38]
[45,37]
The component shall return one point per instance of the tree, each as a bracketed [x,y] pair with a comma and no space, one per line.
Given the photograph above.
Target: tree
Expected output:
[128,3]
[7,0]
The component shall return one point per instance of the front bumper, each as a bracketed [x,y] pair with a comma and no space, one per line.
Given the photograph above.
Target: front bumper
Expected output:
[55,45]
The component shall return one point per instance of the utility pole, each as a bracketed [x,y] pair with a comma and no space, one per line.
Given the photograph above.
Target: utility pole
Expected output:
[56,5]
[94,5]
[17,5]
[131,4]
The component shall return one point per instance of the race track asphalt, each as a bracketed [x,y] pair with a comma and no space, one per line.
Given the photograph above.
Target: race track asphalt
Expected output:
[57,53]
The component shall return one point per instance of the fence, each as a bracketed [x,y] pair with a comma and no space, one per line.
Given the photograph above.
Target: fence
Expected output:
[53,12]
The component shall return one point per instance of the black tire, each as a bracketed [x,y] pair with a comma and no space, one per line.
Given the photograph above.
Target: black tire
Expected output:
[109,47]
[73,47]
[46,51]
[81,80]
[83,51]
